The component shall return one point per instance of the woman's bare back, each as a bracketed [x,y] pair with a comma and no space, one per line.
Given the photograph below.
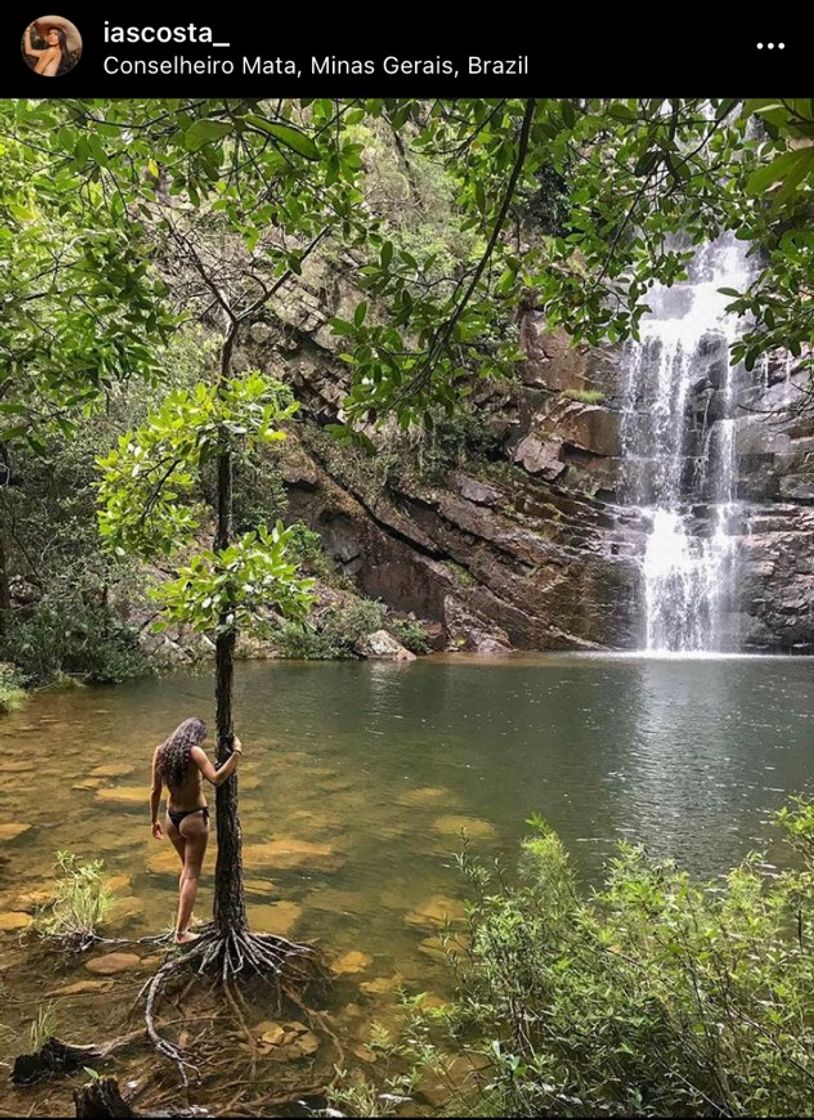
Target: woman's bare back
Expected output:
[188,795]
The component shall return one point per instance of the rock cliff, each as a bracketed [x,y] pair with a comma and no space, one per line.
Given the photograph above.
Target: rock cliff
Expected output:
[529,544]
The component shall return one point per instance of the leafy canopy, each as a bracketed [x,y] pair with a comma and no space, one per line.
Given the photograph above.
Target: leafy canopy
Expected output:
[82,306]
[640,182]
[150,506]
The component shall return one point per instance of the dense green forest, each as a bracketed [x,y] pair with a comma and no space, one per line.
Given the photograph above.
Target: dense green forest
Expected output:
[271,389]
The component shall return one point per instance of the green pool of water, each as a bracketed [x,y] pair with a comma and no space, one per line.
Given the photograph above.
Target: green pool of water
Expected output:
[362,775]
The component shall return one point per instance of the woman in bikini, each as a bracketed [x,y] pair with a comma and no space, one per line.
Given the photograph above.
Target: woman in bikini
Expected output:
[55,58]
[181,765]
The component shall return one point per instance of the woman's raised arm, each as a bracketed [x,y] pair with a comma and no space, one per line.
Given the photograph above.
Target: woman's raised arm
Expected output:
[27,44]
[217,776]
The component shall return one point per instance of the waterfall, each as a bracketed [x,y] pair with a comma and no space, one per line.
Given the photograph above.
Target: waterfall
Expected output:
[679,449]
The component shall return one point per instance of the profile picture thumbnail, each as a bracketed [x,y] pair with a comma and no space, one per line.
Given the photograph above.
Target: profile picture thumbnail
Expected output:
[51,46]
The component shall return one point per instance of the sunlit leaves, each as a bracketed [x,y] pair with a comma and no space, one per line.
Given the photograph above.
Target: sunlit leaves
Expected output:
[82,307]
[148,482]
[654,994]
[238,587]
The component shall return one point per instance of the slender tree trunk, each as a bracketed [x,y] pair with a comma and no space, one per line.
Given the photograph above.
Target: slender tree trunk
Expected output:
[230,903]
[5,590]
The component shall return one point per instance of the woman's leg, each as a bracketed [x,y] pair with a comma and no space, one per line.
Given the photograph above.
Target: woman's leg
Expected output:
[195,832]
[179,843]
[176,839]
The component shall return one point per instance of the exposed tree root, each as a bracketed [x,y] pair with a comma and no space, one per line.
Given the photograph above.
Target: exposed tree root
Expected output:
[229,958]
[198,1013]
[81,942]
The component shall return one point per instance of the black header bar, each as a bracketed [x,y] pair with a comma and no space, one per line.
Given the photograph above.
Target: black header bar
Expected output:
[133,51]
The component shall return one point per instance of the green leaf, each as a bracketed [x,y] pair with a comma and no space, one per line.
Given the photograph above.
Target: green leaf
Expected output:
[770,173]
[646,162]
[288,135]
[204,132]
[801,166]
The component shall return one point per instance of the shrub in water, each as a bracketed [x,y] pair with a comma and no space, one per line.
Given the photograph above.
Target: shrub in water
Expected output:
[655,995]
[43,1026]
[82,900]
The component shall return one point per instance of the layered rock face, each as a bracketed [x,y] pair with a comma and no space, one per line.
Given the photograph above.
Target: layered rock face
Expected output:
[533,546]
[775,456]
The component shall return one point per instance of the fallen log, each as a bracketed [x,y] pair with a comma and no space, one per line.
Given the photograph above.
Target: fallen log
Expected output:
[56,1056]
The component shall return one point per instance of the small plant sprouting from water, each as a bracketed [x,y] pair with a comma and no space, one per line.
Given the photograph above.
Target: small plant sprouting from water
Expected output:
[82,901]
[43,1026]
[403,1060]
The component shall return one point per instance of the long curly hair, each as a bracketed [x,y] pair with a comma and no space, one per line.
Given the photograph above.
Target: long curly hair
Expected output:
[173,754]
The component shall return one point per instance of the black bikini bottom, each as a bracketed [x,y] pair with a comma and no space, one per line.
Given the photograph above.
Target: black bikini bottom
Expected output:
[177,815]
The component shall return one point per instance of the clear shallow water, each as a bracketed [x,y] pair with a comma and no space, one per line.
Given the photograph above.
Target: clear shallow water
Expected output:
[373,759]
[362,775]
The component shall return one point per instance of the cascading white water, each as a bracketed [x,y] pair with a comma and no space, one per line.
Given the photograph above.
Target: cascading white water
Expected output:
[678,439]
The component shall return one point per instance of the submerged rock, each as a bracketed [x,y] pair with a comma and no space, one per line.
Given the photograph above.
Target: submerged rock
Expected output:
[442,948]
[12,831]
[364,1053]
[437,911]
[113,770]
[30,900]
[165,862]
[270,1033]
[287,853]
[284,1042]
[119,884]
[125,910]
[12,920]
[113,963]
[383,985]
[351,962]
[427,796]
[260,886]
[279,918]
[124,795]
[453,825]
[337,901]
